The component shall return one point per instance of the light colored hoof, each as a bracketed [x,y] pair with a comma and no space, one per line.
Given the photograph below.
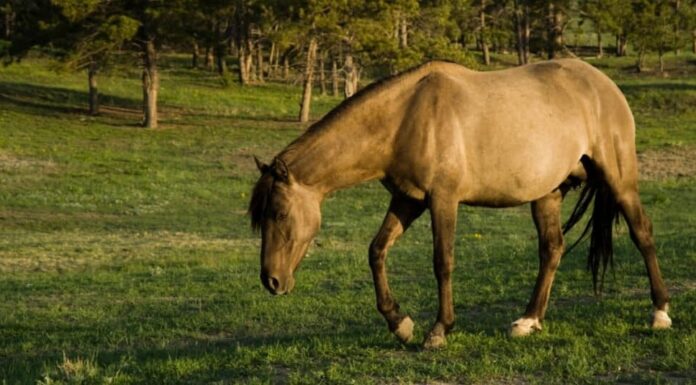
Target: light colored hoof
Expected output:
[660,320]
[405,330]
[434,341]
[524,327]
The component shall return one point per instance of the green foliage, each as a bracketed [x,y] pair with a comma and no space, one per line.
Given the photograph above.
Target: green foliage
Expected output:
[77,10]
[30,26]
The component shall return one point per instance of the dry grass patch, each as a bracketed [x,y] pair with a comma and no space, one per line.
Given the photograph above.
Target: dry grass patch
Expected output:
[667,163]
[77,251]
[12,163]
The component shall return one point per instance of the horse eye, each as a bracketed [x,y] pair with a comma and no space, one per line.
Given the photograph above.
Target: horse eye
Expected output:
[281,216]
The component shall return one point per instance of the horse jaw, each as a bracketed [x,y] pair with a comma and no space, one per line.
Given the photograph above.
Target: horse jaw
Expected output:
[524,327]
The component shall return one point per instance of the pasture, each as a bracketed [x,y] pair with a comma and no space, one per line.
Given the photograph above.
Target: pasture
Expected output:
[126,255]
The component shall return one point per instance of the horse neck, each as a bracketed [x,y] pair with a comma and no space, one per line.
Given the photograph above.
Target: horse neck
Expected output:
[345,150]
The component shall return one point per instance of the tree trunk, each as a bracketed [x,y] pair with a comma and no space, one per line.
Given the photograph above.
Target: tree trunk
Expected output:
[641,60]
[9,20]
[259,62]
[194,55]
[676,27]
[208,59]
[271,59]
[403,32]
[276,64]
[661,54]
[334,77]
[600,49]
[351,74]
[555,31]
[231,47]
[150,84]
[93,91]
[242,71]
[527,28]
[220,58]
[286,68]
[621,42]
[519,33]
[249,61]
[308,81]
[322,74]
[482,34]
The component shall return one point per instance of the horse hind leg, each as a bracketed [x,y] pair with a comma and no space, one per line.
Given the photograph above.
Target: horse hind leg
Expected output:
[401,213]
[547,218]
[642,236]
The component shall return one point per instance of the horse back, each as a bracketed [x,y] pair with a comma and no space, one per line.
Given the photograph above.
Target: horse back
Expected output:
[505,137]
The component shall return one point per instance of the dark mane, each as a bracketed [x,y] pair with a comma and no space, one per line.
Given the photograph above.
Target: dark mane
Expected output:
[259,199]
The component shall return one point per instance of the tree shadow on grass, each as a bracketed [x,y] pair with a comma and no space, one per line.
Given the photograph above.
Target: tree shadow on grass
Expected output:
[671,86]
[54,101]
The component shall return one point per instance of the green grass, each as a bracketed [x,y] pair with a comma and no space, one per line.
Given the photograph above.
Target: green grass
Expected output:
[126,255]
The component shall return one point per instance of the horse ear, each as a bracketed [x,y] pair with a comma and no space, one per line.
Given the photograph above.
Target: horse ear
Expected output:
[261,166]
[281,171]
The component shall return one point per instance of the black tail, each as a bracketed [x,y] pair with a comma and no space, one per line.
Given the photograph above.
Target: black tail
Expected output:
[604,214]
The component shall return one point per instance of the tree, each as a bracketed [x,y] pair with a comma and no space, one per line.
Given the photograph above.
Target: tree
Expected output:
[308,80]
[87,38]
[652,29]
[522,30]
[26,24]
[598,12]
[555,19]
[157,22]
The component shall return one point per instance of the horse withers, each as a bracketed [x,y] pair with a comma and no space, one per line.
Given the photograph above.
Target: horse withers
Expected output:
[440,135]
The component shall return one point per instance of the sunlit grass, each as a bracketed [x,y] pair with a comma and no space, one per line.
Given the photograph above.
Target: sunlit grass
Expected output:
[126,255]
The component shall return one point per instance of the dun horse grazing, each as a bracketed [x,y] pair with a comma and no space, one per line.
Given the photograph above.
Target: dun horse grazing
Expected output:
[440,135]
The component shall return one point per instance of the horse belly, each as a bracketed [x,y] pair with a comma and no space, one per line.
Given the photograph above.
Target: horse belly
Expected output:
[517,170]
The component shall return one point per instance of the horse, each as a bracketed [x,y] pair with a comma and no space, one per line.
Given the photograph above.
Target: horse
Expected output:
[440,135]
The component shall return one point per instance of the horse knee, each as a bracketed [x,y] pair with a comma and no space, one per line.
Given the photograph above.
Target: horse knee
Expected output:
[378,252]
[375,254]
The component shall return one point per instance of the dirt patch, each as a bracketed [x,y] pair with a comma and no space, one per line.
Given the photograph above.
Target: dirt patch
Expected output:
[667,163]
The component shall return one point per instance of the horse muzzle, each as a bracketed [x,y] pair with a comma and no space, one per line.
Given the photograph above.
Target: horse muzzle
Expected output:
[277,284]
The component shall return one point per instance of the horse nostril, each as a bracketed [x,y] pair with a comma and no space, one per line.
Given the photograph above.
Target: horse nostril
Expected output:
[273,283]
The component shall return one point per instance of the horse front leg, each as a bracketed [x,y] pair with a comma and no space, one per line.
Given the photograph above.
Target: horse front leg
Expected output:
[443,214]
[547,218]
[402,212]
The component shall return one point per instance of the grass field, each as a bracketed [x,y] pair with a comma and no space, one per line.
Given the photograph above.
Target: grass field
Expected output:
[126,256]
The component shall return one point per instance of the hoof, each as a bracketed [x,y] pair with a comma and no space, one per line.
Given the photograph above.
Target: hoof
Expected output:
[404,332]
[434,341]
[660,320]
[436,338]
[524,327]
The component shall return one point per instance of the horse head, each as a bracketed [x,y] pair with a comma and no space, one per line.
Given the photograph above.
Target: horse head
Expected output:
[288,215]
